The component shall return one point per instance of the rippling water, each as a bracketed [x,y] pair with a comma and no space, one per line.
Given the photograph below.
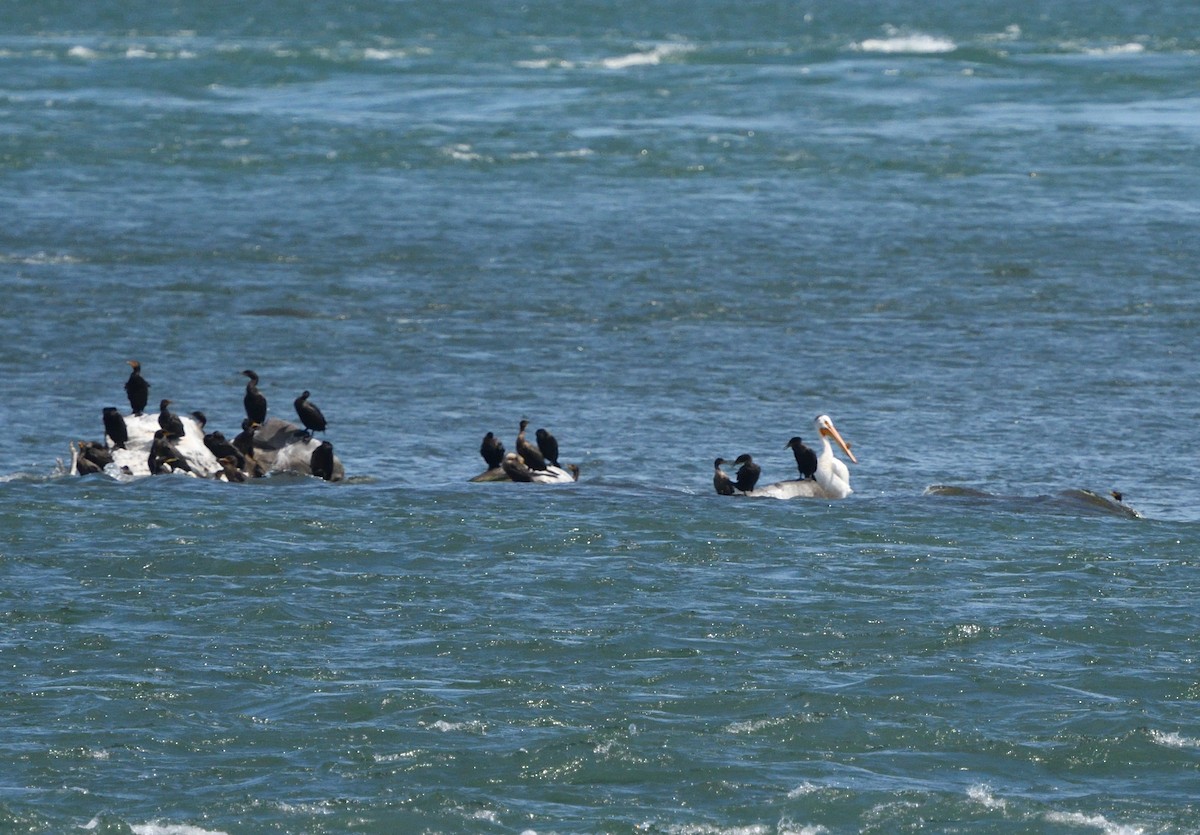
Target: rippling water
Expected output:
[667,234]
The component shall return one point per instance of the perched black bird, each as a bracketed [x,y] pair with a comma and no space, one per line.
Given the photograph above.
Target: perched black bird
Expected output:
[255,401]
[721,479]
[230,470]
[533,457]
[114,427]
[221,448]
[169,422]
[548,446]
[86,466]
[92,458]
[201,419]
[136,388]
[321,462]
[516,469]
[164,458]
[243,442]
[97,453]
[309,414]
[747,475]
[806,459]
[492,451]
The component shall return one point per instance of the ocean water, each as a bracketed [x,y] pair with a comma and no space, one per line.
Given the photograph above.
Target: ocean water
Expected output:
[667,232]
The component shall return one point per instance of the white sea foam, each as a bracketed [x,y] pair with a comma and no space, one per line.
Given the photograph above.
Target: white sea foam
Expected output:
[1116,49]
[82,52]
[984,797]
[708,829]
[753,725]
[1174,740]
[159,828]
[1095,822]
[915,44]
[788,828]
[804,789]
[649,57]
[442,725]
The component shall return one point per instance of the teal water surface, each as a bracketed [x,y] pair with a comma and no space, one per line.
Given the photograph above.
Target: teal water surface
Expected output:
[668,234]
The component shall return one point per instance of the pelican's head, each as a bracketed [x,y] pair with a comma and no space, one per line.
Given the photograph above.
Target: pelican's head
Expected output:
[826,429]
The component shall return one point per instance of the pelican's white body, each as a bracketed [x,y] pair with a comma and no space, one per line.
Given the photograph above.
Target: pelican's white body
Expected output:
[832,479]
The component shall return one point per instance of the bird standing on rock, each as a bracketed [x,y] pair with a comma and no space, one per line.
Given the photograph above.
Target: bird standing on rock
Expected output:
[492,451]
[547,446]
[136,388]
[747,475]
[170,423]
[321,462]
[114,427]
[721,479]
[254,401]
[533,458]
[309,414]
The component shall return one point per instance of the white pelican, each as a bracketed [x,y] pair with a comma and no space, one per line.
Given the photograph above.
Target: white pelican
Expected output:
[832,479]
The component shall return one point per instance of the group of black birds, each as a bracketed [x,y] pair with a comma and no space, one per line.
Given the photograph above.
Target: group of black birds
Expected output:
[748,472]
[236,457]
[529,460]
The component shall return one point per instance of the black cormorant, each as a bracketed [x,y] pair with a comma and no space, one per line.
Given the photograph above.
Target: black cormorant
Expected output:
[721,479]
[806,459]
[201,419]
[230,470]
[548,446]
[221,448]
[136,388]
[244,440]
[93,458]
[492,451]
[747,475]
[164,458]
[86,466]
[515,468]
[170,423]
[533,457]
[255,401]
[114,427]
[309,414]
[321,462]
